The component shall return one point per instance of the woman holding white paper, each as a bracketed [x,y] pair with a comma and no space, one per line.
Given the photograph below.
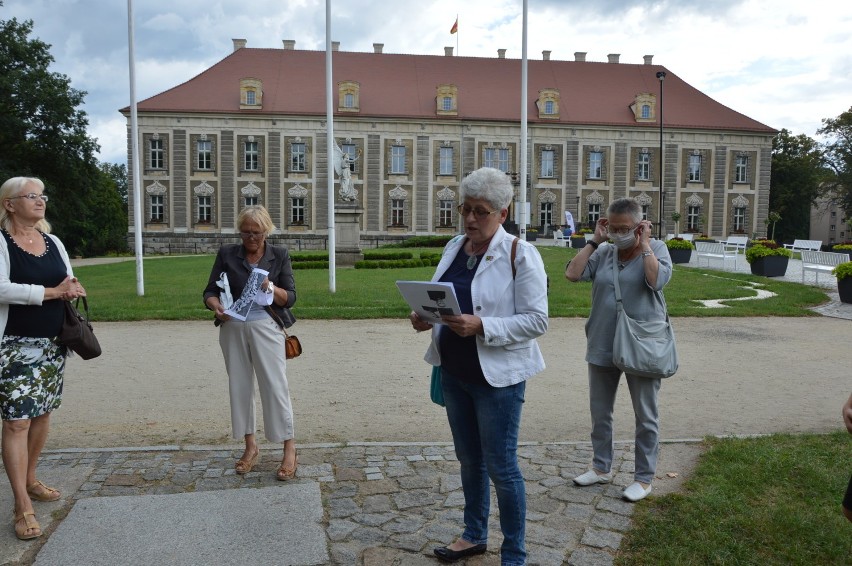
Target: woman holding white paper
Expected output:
[257,274]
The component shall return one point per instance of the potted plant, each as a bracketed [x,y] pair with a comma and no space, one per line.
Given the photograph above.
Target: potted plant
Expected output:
[772,218]
[767,258]
[578,240]
[532,234]
[680,250]
[843,272]
[676,220]
[704,238]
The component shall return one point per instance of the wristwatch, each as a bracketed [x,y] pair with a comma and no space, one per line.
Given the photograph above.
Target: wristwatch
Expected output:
[646,254]
[270,288]
[592,243]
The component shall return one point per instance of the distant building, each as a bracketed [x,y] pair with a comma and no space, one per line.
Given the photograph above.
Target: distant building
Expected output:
[251,129]
[829,223]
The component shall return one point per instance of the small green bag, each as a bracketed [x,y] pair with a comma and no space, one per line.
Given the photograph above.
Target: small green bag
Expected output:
[435,391]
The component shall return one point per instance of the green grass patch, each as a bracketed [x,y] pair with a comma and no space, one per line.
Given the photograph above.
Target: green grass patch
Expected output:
[174,285]
[768,500]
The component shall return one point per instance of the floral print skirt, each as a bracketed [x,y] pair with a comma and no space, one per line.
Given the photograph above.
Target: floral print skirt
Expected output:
[31,371]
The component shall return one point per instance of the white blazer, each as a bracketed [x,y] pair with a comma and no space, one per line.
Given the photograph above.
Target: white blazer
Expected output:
[18,293]
[513,311]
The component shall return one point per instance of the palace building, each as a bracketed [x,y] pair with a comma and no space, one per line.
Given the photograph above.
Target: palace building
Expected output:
[251,129]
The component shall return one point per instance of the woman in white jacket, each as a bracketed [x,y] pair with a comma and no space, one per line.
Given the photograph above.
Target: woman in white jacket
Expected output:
[35,277]
[486,354]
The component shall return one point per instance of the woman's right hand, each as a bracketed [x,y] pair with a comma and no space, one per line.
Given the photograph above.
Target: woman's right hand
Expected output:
[601,234]
[418,323]
[218,310]
[68,290]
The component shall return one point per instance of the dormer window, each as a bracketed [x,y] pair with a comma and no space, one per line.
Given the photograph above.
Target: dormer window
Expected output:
[644,107]
[348,96]
[251,94]
[548,103]
[447,101]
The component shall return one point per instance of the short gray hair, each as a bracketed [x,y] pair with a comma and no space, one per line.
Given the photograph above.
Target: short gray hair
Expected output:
[259,215]
[488,184]
[626,206]
[10,189]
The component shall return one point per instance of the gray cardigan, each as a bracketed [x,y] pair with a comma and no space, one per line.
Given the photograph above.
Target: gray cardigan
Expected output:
[641,301]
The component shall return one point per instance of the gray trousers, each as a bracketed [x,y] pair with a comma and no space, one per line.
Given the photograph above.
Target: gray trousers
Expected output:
[603,385]
[252,349]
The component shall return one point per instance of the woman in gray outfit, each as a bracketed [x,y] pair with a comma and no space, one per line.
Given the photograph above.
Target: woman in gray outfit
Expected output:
[643,269]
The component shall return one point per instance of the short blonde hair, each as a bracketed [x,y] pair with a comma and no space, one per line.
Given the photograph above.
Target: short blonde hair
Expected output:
[15,187]
[259,215]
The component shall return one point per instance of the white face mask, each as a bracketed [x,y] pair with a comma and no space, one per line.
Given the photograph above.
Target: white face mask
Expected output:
[624,241]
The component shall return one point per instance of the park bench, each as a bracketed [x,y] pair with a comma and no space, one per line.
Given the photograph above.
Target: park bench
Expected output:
[820,262]
[715,250]
[801,245]
[736,242]
[559,238]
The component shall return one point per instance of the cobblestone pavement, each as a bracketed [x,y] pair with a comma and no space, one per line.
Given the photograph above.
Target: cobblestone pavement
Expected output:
[388,503]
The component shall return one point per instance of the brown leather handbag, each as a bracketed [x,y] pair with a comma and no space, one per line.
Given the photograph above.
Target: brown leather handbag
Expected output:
[292,346]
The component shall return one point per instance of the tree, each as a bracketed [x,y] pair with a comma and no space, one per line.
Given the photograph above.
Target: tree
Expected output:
[838,154]
[797,173]
[43,134]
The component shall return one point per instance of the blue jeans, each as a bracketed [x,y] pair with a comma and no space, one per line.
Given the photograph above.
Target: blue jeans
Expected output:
[484,421]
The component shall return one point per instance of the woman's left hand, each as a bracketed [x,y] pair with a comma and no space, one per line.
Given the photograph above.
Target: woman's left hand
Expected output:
[644,230]
[463,324]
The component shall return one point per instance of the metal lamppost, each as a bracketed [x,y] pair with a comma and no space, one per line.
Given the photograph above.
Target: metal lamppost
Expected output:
[661,75]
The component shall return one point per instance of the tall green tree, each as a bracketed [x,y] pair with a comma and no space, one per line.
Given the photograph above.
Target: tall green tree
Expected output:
[797,172]
[838,152]
[43,134]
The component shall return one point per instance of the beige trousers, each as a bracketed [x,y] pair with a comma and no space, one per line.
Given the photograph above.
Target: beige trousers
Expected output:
[252,349]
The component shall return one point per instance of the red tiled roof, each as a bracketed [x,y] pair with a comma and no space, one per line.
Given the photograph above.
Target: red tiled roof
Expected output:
[404,86]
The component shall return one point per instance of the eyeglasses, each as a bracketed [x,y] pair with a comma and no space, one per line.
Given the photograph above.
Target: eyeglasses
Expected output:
[479,212]
[621,231]
[32,196]
[253,235]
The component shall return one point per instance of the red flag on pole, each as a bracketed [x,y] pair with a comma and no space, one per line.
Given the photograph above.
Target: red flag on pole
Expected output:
[455,27]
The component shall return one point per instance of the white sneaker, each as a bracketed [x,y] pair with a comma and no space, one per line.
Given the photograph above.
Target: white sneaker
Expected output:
[635,492]
[592,477]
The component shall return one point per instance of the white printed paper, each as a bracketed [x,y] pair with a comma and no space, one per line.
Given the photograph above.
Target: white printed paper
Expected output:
[430,299]
[241,308]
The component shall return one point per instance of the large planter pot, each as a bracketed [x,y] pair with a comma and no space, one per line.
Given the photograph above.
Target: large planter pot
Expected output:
[844,289]
[532,236]
[578,242]
[680,256]
[770,266]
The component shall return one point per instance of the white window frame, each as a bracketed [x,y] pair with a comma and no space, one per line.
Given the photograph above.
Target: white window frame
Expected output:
[596,165]
[297,211]
[548,107]
[251,201]
[545,214]
[204,155]
[251,98]
[548,157]
[489,159]
[503,159]
[593,214]
[298,157]
[446,213]
[205,209]
[693,214]
[398,160]
[251,156]
[397,212]
[694,168]
[158,208]
[645,209]
[445,160]
[741,169]
[643,167]
[349,100]
[158,154]
[447,103]
[351,150]
[646,111]
[739,218]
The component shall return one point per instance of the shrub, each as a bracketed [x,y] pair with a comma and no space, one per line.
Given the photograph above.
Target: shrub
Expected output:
[423,242]
[310,264]
[842,248]
[843,270]
[679,244]
[758,250]
[386,255]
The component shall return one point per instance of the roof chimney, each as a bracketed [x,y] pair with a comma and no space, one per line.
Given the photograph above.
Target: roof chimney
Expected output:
[377,47]
[613,57]
[648,59]
[501,53]
[580,56]
[289,44]
[335,46]
[448,51]
[545,55]
[239,43]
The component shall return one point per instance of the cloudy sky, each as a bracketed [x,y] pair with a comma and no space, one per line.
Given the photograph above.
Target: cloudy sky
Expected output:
[785,63]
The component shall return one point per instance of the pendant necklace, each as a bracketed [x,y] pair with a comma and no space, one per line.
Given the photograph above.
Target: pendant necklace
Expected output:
[471,261]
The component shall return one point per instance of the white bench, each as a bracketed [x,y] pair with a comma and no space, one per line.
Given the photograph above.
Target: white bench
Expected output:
[559,238]
[688,236]
[715,250]
[801,245]
[820,262]
[736,242]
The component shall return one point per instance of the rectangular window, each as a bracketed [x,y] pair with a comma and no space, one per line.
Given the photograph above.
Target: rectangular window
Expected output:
[447,103]
[158,213]
[250,97]
[595,164]
[739,218]
[205,209]
[251,201]
[692,214]
[741,169]
[297,211]
[503,159]
[397,212]
[348,100]
[490,158]
[250,156]
[832,227]
[204,152]
[297,157]
[445,213]
[547,163]
[694,173]
[397,160]
[643,167]
[548,107]
[158,156]
[646,111]
[349,149]
[645,208]
[445,162]
[594,214]
[545,214]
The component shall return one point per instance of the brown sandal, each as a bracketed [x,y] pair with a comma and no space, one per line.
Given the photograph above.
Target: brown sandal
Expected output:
[244,467]
[41,492]
[30,524]
[284,474]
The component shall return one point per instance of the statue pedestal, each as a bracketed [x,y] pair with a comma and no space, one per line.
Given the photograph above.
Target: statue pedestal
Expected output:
[347,230]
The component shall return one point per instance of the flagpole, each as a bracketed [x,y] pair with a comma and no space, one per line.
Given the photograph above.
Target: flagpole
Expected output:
[457,36]
[523,194]
[329,149]
[134,144]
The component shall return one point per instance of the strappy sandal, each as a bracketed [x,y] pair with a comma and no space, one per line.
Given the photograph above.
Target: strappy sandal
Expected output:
[41,492]
[30,524]
[284,474]
[244,467]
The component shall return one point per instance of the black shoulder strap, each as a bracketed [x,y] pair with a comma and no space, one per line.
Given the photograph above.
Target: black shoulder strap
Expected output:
[514,253]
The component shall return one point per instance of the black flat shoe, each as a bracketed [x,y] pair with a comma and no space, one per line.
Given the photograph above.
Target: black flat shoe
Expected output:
[446,555]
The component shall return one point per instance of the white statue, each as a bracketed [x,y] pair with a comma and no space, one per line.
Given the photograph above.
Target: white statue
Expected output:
[342,162]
